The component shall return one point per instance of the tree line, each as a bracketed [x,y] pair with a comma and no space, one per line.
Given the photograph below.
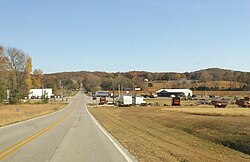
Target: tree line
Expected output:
[16,75]
[93,81]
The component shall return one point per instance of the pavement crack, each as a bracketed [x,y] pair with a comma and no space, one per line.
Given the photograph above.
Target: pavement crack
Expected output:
[59,143]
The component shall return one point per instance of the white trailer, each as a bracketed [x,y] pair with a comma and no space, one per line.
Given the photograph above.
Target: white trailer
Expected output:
[138,100]
[125,100]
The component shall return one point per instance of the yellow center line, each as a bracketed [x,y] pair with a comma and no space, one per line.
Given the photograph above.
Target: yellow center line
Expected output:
[21,143]
[23,140]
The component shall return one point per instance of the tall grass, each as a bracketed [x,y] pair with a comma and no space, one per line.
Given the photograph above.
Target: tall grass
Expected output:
[15,113]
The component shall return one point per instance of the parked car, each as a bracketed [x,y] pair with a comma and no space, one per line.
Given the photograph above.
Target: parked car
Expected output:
[219,103]
[243,102]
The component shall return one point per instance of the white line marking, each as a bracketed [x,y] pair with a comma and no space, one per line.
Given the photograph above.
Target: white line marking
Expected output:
[79,115]
[111,140]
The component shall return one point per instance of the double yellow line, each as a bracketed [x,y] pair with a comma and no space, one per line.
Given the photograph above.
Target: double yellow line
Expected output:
[13,148]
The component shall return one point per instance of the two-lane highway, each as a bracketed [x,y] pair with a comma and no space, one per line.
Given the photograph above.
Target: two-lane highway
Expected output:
[68,135]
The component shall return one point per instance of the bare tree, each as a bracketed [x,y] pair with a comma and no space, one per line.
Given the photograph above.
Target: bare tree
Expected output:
[92,83]
[205,77]
[17,63]
[37,78]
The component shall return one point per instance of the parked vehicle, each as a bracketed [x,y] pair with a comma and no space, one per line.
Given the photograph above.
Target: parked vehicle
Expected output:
[125,100]
[176,101]
[138,100]
[243,102]
[219,103]
[103,101]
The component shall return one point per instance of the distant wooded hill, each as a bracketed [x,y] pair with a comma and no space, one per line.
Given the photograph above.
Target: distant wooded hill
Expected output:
[209,79]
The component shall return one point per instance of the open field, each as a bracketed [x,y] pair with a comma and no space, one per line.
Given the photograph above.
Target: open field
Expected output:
[10,114]
[167,101]
[207,111]
[224,93]
[179,134]
[170,84]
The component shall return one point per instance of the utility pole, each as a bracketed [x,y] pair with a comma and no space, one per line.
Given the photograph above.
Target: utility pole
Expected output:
[133,88]
[134,94]
[42,89]
[113,87]
[119,90]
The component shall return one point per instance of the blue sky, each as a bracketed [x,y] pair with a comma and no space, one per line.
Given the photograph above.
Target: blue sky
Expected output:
[125,35]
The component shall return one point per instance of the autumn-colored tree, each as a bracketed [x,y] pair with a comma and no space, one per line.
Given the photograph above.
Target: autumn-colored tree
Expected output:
[217,76]
[52,82]
[37,78]
[92,83]
[126,82]
[1,62]
[133,74]
[106,84]
[4,64]
[177,76]
[3,78]
[28,70]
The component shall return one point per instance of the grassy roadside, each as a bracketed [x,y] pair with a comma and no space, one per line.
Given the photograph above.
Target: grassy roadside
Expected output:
[153,134]
[10,114]
[207,110]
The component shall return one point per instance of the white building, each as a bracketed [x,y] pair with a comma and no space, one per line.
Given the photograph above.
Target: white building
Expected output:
[174,92]
[38,93]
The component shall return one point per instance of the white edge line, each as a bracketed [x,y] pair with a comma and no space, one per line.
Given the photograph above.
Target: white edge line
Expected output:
[111,140]
[7,126]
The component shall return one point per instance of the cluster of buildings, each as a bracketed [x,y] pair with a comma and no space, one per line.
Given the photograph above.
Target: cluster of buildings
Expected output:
[104,97]
[48,93]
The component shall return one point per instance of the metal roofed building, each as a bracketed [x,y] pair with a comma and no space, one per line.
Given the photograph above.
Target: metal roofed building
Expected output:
[102,94]
[174,92]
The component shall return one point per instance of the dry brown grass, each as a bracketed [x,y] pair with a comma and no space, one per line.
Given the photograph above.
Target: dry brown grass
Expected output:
[170,84]
[15,113]
[152,134]
[168,101]
[223,93]
[231,110]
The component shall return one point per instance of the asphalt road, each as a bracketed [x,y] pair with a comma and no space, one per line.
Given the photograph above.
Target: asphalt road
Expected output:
[68,135]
